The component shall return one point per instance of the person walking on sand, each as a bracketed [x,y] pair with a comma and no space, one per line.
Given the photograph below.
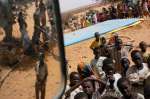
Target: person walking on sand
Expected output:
[25,40]
[41,77]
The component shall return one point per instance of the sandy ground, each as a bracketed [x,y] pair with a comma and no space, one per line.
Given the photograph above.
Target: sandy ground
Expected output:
[81,51]
[20,83]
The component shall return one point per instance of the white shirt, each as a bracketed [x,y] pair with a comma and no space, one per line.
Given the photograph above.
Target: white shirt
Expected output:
[140,96]
[95,18]
[96,65]
[117,76]
[134,74]
[73,93]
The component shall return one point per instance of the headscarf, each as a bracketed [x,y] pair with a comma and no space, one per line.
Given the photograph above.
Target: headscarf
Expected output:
[84,70]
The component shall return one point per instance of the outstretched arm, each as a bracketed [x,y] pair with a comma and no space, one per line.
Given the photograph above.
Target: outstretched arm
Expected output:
[80,83]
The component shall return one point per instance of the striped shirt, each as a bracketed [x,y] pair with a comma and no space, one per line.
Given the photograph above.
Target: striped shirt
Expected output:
[115,91]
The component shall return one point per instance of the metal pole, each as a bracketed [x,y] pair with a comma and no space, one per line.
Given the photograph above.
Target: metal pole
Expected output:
[59,31]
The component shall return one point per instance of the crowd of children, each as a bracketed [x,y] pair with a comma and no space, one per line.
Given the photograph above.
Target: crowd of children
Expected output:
[114,11]
[110,74]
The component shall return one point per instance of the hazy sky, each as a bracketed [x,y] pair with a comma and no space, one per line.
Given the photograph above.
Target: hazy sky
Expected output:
[67,5]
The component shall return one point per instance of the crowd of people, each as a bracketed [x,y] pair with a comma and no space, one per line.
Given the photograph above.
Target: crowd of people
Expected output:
[114,11]
[40,43]
[35,47]
[110,75]
[42,33]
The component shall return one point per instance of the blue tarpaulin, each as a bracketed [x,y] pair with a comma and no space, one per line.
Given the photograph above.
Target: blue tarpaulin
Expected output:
[102,28]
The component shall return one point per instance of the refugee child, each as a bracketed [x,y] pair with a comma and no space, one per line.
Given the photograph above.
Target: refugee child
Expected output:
[124,86]
[37,32]
[41,77]
[97,63]
[25,40]
[91,90]
[145,9]
[97,42]
[138,72]
[143,46]
[74,79]
[111,77]
[84,70]
[125,63]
